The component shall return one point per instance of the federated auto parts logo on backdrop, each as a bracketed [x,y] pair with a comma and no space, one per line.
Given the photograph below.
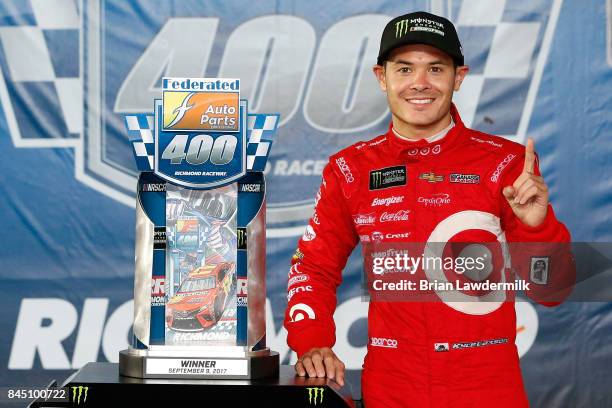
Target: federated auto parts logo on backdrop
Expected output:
[68,77]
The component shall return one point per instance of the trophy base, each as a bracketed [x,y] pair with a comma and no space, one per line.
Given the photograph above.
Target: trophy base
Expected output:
[262,365]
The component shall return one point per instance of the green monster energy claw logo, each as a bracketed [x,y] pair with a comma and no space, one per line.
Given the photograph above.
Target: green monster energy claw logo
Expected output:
[401,28]
[315,395]
[78,392]
[376,179]
[241,237]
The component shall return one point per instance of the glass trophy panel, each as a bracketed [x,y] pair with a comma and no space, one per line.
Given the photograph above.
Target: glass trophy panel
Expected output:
[201,266]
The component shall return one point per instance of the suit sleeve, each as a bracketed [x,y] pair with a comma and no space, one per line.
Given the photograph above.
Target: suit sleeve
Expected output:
[541,255]
[316,269]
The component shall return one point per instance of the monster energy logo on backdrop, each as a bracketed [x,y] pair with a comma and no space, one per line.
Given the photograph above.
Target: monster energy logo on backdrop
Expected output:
[388,177]
[242,238]
[78,392]
[315,395]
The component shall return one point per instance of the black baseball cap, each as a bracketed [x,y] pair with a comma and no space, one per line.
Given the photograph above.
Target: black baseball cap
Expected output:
[420,28]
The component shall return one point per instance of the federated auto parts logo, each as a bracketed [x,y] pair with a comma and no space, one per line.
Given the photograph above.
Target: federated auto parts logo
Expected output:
[79,394]
[201,104]
[68,94]
[315,395]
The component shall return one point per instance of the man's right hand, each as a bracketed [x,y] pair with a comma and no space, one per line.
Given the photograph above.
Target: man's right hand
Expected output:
[321,362]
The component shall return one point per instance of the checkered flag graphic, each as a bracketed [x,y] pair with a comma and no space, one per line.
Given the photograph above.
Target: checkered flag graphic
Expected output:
[505,46]
[260,131]
[140,129]
[40,64]
[43,66]
[171,236]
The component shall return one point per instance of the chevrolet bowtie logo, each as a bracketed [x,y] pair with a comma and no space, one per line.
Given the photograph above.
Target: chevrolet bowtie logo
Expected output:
[431,177]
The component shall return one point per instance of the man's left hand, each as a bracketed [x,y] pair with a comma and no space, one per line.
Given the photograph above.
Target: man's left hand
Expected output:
[528,195]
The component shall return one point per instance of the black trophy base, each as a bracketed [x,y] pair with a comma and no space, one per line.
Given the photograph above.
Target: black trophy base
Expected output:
[100,385]
[260,366]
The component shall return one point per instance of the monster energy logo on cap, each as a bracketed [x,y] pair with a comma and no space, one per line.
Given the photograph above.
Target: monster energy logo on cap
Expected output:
[315,395]
[401,28]
[78,392]
[388,177]
[241,237]
[418,24]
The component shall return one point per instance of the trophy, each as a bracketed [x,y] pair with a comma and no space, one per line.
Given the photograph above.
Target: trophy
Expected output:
[199,288]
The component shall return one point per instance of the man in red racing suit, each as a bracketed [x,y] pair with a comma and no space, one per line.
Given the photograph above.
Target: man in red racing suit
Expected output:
[455,185]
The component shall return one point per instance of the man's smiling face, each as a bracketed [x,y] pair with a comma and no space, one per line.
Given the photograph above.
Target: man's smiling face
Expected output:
[419,81]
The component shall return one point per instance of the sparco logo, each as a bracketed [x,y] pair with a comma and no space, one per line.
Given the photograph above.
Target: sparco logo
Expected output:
[315,395]
[364,219]
[401,215]
[382,342]
[464,178]
[387,201]
[79,394]
[344,168]
[435,200]
[388,177]
[501,166]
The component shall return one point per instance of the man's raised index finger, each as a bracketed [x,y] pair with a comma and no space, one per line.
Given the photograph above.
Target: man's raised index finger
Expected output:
[529,157]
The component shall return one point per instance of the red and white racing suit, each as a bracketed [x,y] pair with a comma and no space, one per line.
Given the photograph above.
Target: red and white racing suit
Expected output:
[421,354]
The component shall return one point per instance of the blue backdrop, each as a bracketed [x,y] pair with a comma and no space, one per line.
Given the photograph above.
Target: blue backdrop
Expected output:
[70,69]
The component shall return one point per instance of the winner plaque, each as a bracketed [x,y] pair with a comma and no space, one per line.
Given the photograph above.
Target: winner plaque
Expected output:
[199,287]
